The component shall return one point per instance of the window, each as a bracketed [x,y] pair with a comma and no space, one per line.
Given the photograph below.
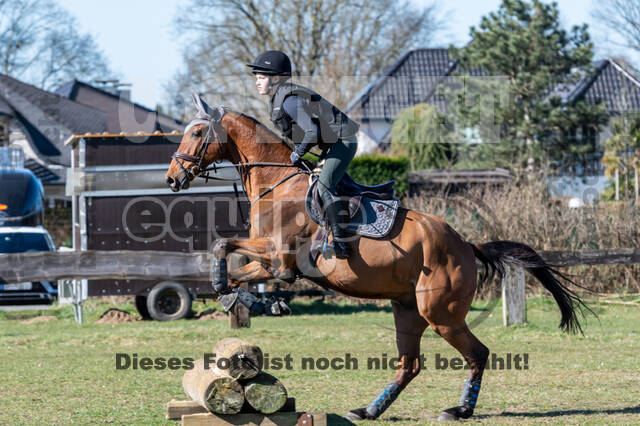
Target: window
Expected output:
[18,242]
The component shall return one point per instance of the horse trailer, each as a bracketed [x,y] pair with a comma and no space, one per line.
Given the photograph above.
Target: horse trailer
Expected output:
[121,202]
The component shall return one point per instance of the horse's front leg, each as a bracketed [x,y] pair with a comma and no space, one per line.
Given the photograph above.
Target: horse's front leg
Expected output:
[249,273]
[260,269]
[262,250]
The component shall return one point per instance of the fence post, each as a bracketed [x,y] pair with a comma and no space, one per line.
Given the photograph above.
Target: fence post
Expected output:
[238,315]
[514,308]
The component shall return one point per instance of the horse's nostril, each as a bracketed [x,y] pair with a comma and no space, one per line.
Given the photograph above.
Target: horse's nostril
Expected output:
[169,180]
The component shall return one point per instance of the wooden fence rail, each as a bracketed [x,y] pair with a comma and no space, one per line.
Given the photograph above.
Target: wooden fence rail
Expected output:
[514,310]
[150,265]
[49,266]
[117,264]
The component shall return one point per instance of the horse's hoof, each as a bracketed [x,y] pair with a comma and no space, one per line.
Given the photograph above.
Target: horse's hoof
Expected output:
[277,308]
[357,414]
[449,415]
[454,414]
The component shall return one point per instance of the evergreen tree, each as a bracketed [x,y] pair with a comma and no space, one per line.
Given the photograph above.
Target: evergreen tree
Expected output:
[529,56]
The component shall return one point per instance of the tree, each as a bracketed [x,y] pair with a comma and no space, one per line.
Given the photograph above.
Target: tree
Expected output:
[39,43]
[622,154]
[524,45]
[422,135]
[336,46]
[622,17]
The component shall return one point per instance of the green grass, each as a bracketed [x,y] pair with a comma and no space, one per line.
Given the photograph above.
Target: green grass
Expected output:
[62,372]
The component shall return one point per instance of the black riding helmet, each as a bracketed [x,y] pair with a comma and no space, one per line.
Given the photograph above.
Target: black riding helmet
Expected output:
[271,62]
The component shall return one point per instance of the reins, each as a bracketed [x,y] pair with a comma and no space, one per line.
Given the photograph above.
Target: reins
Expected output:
[206,176]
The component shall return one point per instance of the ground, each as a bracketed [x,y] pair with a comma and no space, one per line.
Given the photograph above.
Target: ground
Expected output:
[56,371]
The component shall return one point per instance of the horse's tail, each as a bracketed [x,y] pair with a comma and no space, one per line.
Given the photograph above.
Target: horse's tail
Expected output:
[495,255]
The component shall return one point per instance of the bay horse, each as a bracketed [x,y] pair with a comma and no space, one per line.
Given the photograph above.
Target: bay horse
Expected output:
[423,266]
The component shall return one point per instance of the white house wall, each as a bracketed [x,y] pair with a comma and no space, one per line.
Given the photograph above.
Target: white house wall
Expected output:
[370,135]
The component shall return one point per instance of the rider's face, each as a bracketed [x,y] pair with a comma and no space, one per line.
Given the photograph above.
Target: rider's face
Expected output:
[262,83]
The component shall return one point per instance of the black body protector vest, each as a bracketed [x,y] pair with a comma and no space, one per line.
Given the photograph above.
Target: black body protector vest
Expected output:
[332,123]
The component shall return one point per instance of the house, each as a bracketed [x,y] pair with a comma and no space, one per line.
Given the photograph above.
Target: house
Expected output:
[411,80]
[123,116]
[41,122]
[415,77]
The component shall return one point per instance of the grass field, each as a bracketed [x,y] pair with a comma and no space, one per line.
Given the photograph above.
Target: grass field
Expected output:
[60,372]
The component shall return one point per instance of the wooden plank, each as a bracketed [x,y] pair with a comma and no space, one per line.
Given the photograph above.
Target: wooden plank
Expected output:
[239,315]
[514,310]
[117,264]
[246,419]
[622,256]
[176,409]
[161,265]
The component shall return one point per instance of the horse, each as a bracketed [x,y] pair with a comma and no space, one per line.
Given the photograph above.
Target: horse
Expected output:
[425,268]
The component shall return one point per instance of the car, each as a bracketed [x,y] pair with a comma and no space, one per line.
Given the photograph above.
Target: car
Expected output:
[20,239]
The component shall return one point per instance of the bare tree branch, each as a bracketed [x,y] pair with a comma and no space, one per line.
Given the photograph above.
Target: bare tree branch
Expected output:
[622,17]
[340,44]
[39,43]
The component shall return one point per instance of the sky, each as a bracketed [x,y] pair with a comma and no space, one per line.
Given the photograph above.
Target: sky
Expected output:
[139,39]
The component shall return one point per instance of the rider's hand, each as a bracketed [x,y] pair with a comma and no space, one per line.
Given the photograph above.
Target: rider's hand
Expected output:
[296,160]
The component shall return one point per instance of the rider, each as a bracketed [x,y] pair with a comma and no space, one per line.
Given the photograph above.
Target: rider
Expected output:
[309,120]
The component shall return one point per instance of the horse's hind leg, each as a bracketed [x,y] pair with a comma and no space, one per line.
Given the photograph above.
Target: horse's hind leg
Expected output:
[476,354]
[446,311]
[409,328]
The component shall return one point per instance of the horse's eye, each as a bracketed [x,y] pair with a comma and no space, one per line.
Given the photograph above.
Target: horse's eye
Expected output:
[196,134]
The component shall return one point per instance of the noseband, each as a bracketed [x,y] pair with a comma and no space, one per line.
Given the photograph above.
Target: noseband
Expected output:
[212,135]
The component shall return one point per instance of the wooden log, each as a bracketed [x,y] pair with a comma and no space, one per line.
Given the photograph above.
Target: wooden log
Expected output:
[243,359]
[213,389]
[276,419]
[265,393]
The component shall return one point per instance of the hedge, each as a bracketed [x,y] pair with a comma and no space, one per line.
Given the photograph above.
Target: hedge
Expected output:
[376,169]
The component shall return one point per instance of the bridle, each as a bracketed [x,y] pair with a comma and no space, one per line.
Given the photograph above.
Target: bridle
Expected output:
[217,134]
[214,131]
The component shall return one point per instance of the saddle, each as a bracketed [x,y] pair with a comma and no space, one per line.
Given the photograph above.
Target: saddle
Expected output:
[349,187]
[372,209]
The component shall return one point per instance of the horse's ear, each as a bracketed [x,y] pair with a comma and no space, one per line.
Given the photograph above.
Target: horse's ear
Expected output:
[197,102]
[200,104]
[217,113]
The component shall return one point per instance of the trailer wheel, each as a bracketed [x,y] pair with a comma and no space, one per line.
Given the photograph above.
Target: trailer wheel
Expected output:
[168,301]
[141,306]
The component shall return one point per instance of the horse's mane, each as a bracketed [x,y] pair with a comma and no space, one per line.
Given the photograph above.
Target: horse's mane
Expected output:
[259,124]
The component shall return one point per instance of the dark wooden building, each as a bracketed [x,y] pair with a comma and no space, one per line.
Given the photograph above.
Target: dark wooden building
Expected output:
[122,202]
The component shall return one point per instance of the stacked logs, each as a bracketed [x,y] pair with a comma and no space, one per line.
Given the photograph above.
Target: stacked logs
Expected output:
[234,383]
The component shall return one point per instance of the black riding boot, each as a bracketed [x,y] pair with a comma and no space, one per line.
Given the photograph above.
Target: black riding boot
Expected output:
[337,214]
